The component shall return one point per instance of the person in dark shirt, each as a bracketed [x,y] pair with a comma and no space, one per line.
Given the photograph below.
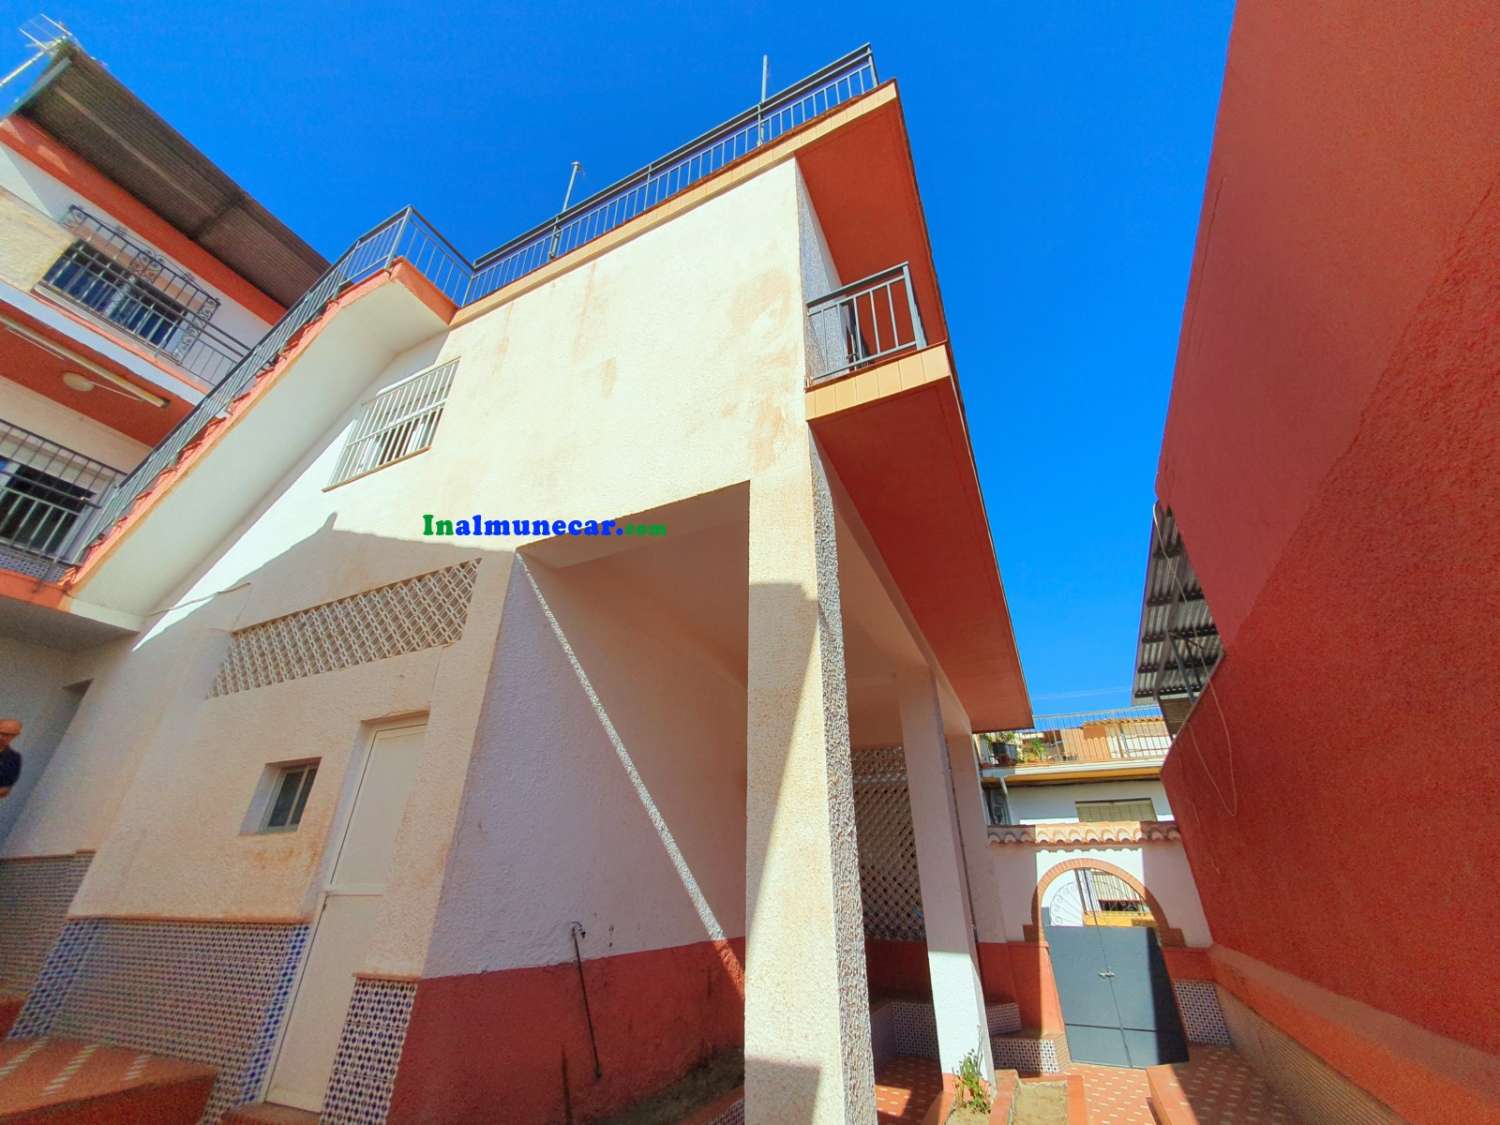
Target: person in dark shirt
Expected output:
[10,760]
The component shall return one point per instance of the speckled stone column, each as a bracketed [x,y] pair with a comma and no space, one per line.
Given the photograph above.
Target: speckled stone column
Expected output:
[952,960]
[807,1018]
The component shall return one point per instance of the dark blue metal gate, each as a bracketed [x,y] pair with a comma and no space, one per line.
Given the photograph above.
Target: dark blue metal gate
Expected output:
[1117,1000]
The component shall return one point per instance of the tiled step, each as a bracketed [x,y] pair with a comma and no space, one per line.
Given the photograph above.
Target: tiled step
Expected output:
[69,1080]
[1030,1053]
[10,1007]
[1003,1017]
[268,1113]
[901,1026]
[1217,1086]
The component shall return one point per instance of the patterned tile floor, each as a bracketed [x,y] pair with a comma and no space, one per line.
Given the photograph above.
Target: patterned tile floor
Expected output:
[1223,1089]
[43,1074]
[904,1087]
[1115,1095]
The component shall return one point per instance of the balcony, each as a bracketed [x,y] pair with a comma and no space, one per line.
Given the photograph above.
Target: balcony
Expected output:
[865,323]
[1088,741]
[45,490]
[130,292]
[99,291]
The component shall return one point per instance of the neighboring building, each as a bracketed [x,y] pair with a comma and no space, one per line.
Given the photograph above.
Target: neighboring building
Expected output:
[1088,766]
[1324,565]
[133,275]
[382,821]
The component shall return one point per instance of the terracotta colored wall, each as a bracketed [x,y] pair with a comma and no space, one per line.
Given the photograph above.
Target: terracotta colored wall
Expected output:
[897,967]
[1354,141]
[513,1045]
[1332,457]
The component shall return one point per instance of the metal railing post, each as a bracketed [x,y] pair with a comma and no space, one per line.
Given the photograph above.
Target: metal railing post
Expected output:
[394,252]
[911,301]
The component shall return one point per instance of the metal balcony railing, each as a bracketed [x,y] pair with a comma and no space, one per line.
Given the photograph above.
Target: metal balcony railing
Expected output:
[866,322]
[45,490]
[407,236]
[1129,734]
[813,96]
[128,288]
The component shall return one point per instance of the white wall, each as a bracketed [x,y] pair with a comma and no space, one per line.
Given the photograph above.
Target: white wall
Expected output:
[53,198]
[56,422]
[1057,804]
[634,829]
[1016,869]
[34,688]
[669,367]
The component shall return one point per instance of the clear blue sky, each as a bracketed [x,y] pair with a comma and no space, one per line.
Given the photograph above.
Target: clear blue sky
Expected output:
[1060,148]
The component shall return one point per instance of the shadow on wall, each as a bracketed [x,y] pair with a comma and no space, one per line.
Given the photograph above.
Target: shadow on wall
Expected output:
[607,788]
[606,785]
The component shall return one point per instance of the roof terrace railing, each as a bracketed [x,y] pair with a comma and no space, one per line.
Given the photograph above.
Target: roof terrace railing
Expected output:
[407,236]
[1133,733]
[813,96]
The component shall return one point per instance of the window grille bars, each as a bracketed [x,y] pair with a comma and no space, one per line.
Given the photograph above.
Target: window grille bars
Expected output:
[399,421]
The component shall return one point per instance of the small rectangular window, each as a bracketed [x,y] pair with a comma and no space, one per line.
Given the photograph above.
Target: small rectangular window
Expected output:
[1139,809]
[999,808]
[398,422]
[288,797]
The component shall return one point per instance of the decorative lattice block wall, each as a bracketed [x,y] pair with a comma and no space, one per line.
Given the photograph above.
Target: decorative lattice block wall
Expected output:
[34,898]
[888,883]
[364,1071]
[213,993]
[407,616]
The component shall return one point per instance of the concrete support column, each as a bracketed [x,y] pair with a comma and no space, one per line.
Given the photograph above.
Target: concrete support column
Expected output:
[953,961]
[807,1017]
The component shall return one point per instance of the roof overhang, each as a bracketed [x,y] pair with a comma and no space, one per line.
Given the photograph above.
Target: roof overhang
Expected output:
[895,435]
[84,107]
[1084,771]
[39,342]
[1177,645]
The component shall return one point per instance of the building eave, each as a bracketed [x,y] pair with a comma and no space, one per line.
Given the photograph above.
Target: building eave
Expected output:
[93,114]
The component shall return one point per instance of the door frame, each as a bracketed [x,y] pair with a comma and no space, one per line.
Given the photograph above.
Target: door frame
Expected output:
[1167,936]
[354,779]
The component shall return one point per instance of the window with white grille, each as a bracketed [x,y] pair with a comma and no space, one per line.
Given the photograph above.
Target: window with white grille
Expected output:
[1136,809]
[398,422]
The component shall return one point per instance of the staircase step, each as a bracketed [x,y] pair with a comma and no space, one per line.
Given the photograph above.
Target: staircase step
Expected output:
[71,1080]
[268,1113]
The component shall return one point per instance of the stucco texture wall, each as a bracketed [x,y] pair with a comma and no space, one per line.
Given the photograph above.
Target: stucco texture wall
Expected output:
[1332,459]
[562,398]
[34,689]
[1058,804]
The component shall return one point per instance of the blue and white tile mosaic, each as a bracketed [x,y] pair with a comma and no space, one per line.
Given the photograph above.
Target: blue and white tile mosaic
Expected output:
[213,993]
[1202,1017]
[35,894]
[364,1070]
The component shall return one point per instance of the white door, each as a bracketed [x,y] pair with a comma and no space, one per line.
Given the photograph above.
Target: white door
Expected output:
[342,932]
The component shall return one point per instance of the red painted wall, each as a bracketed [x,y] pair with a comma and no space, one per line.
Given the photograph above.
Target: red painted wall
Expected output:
[1354,141]
[1333,458]
[897,968]
[513,1046]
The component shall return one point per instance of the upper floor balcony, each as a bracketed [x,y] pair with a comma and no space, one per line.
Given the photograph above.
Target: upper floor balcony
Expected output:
[119,284]
[1086,742]
[45,490]
[125,289]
